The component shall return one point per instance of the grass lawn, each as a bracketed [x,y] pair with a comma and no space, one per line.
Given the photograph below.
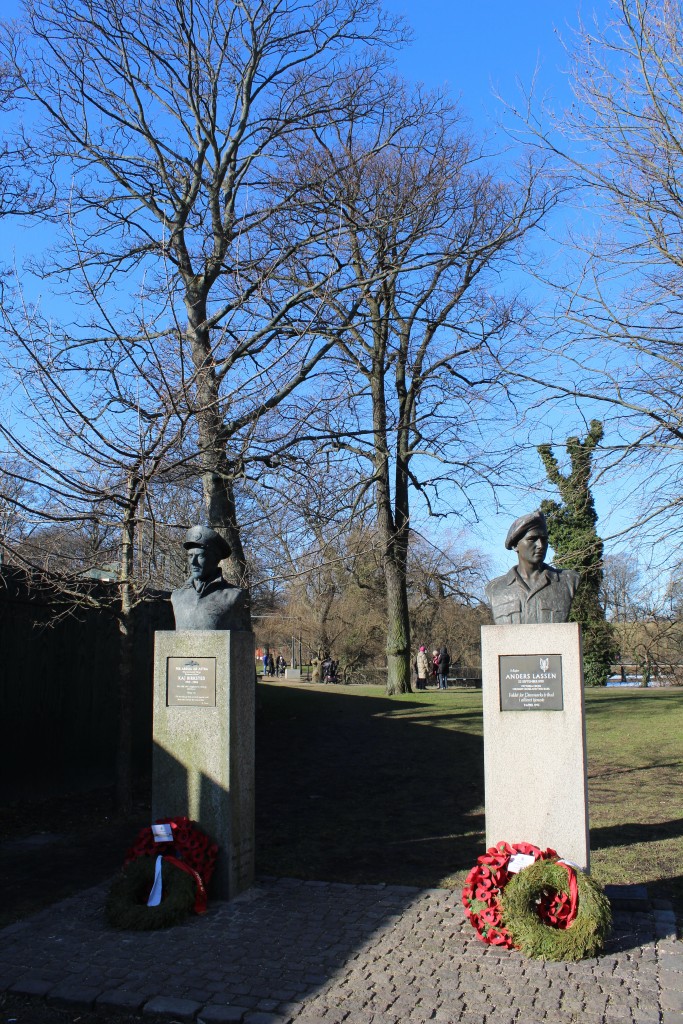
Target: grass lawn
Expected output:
[635,788]
[356,786]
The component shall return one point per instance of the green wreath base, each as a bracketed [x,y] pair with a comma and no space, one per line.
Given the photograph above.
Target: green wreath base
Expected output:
[586,935]
[126,905]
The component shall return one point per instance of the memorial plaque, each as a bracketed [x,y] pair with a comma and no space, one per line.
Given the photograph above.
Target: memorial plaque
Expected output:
[530,682]
[191,682]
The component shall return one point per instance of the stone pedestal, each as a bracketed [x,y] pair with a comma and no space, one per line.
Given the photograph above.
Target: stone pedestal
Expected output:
[203,767]
[535,738]
[294,674]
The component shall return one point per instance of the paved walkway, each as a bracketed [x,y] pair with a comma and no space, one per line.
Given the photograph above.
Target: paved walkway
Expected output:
[310,952]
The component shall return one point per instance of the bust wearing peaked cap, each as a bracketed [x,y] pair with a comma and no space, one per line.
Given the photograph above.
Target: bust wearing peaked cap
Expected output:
[531,592]
[206,600]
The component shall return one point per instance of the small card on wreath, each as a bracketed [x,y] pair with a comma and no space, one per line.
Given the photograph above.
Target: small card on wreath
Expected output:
[162,833]
[518,862]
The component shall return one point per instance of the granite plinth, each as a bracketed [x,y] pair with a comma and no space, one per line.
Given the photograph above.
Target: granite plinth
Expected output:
[535,755]
[203,765]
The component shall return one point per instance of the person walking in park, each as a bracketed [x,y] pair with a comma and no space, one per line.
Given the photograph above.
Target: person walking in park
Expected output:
[422,662]
[443,667]
[435,668]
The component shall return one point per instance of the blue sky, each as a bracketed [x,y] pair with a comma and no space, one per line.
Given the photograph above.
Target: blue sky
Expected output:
[479,51]
[475,50]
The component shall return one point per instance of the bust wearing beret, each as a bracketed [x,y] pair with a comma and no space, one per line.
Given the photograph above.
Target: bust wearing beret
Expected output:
[206,600]
[531,592]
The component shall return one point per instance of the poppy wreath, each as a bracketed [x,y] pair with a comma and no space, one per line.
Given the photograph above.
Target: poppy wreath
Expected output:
[544,937]
[547,910]
[189,859]
[481,895]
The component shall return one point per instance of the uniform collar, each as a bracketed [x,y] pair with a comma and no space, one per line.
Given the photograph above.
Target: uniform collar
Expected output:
[202,587]
[545,578]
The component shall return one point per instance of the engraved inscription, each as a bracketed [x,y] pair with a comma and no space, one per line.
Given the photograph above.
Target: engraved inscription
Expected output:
[530,682]
[191,682]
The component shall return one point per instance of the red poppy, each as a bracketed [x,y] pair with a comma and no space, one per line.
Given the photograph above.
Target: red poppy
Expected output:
[485,883]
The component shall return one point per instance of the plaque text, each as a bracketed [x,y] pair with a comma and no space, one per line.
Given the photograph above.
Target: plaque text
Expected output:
[530,682]
[191,682]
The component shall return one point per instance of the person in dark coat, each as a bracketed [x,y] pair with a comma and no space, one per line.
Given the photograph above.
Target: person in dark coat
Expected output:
[444,665]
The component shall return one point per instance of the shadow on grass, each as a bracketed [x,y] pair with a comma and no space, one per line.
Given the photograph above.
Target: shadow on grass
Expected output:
[612,772]
[354,788]
[604,701]
[635,832]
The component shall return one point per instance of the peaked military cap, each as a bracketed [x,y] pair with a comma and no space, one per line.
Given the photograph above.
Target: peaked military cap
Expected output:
[524,523]
[205,537]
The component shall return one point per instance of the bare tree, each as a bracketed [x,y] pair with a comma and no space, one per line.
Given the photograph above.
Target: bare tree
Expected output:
[424,223]
[617,318]
[16,497]
[163,125]
[646,616]
[98,438]
[333,597]
[650,636]
[621,586]
[20,195]
[445,584]
[313,508]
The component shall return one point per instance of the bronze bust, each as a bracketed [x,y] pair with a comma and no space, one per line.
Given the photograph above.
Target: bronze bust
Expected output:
[206,600]
[531,592]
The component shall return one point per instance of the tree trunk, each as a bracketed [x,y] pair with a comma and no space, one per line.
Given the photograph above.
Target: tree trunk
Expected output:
[124,755]
[124,759]
[394,549]
[217,470]
[398,630]
[321,611]
[219,500]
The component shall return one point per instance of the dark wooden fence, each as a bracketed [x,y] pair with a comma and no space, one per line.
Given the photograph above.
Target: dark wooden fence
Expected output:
[58,689]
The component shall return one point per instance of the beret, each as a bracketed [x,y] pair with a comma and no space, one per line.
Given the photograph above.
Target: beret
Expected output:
[204,537]
[521,525]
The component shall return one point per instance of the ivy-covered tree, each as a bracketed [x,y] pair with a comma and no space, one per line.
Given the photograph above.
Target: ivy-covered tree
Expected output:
[573,535]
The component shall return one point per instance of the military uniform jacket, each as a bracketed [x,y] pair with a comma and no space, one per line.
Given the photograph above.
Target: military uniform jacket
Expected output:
[513,602]
[216,605]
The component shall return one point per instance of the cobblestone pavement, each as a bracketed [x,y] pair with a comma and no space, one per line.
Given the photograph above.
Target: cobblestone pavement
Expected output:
[325,952]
